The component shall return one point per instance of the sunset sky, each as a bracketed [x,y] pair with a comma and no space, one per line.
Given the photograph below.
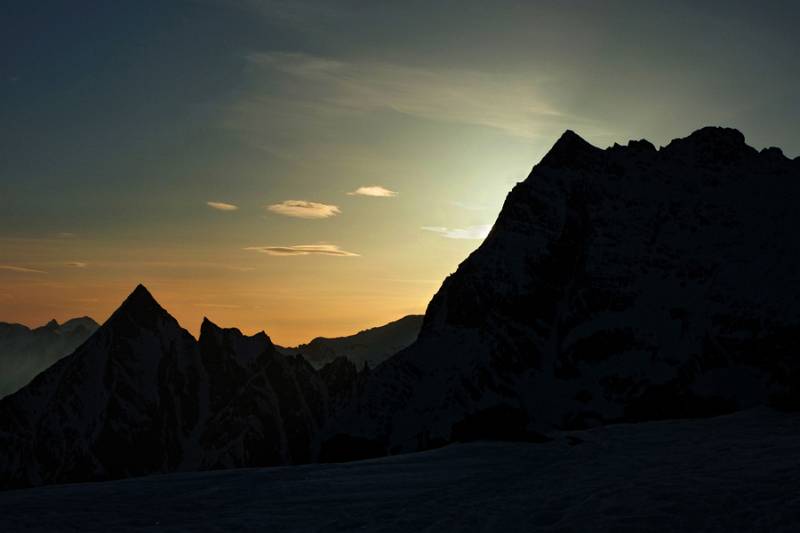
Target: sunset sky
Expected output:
[316,168]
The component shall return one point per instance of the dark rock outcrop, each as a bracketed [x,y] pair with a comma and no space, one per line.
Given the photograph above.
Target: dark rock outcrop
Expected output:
[616,285]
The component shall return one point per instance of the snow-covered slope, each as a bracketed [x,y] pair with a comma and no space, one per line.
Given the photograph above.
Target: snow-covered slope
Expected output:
[25,352]
[143,396]
[371,346]
[732,473]
[622,284]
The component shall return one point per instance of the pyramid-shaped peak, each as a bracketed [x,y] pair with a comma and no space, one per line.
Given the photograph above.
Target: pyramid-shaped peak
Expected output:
[141,307]
[570,150]
[140,298]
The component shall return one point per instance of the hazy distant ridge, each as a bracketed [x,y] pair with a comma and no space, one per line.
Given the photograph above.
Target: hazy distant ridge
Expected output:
[24,352]
[371,346]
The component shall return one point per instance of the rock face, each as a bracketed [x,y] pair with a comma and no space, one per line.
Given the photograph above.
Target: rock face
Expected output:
[25,352]
[371,346]
[143,396]
[622,284]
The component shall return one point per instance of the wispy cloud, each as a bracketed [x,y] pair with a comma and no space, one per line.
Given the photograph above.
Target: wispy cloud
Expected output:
[302,249]
[470,232]
[515,105]
[304,209]
[66,235]
[222,206]
[24,270]
[373,190]
[77,264]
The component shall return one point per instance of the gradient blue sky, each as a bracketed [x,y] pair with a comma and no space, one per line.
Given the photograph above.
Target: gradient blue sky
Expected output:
[121,121]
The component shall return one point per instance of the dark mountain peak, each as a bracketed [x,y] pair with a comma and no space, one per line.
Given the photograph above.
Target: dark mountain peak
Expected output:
[209,328]
[711,144]
[717,135]
[140,293]
[773,152]
[216,343]
[141,300]
[141,308]
[53,324]
[570,150]
[642,145]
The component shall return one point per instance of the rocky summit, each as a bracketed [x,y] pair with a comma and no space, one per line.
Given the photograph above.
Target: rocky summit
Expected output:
[624,284]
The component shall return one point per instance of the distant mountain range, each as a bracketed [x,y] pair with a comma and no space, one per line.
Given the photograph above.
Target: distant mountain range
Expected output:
[370,346]
[143,396]
[625,284]
[24,352]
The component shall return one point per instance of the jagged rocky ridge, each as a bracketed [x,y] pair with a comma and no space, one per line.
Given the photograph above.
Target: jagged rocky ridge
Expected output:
[623,284]
[143,396]
[24,352]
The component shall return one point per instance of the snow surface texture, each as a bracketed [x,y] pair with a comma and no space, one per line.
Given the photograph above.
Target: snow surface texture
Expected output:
[737,472]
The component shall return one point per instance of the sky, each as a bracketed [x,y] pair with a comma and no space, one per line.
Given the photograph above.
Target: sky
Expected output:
[313,168]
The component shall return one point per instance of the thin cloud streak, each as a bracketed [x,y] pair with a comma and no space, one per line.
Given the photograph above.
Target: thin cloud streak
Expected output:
[373,190]
[302,249]
[513,105]
[77,264]
[23,270]
[471,233]
[304,209]
[222,206]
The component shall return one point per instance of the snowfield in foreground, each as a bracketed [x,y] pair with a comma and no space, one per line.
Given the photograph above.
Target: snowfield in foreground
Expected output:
[736,472]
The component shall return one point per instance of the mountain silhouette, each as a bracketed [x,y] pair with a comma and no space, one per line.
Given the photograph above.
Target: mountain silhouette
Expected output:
[24,352]
[143,396]
[624,284]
